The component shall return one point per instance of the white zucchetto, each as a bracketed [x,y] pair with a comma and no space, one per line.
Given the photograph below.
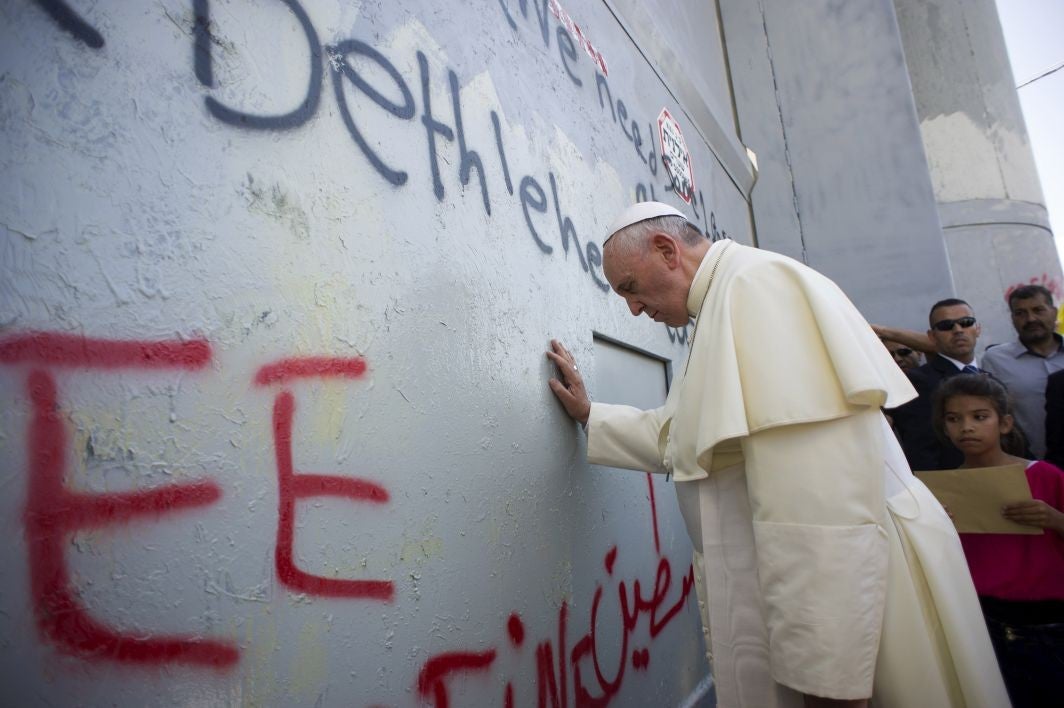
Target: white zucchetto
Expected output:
[641,212]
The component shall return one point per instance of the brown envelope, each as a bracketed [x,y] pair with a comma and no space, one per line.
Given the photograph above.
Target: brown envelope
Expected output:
[975,496]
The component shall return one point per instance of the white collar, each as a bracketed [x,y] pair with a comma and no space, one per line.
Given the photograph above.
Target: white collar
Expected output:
[959,364]
[696,295]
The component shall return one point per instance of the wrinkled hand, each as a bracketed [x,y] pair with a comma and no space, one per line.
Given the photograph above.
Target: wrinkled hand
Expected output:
[570,389]
[1034,512]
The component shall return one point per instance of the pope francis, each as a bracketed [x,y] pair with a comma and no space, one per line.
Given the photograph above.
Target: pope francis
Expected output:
[833,577]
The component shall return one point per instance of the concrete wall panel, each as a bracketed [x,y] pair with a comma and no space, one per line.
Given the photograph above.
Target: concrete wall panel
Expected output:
[280,275]
[979,155]
[824,100]
[965,94]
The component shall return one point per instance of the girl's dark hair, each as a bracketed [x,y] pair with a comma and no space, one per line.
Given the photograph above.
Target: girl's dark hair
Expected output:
[1013,442]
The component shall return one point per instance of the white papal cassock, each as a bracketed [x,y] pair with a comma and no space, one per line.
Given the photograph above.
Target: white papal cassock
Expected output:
[829,568]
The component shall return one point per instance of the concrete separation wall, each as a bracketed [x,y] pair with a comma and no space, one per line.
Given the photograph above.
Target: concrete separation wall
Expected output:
[277,281]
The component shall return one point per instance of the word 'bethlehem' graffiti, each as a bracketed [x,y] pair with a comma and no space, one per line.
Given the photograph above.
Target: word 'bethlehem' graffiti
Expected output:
[379,86]
[53,512]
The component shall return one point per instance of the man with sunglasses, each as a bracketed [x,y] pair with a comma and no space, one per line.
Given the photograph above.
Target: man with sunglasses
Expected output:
[1025,365]
[954,332]
[906,358]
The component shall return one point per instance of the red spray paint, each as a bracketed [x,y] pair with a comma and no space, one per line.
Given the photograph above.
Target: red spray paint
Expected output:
[432,681]
[53,512]
[293,486]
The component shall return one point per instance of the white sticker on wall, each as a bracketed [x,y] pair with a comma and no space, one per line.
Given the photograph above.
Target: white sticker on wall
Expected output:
[675,156]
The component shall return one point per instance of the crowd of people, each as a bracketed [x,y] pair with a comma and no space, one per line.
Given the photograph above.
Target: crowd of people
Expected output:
[1005,407]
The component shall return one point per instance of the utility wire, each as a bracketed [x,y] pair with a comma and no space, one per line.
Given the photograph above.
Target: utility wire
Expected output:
[1044,74]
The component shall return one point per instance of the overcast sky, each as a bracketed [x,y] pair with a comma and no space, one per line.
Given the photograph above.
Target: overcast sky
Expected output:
[1034,33]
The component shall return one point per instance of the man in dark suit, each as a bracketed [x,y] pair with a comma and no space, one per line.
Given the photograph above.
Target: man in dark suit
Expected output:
[953,332]
[1055,418]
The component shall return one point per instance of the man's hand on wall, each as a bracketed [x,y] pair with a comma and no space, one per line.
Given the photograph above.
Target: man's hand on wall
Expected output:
[570,389]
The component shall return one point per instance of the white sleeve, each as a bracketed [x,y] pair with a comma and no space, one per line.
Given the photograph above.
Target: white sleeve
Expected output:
[623,436]
[817,500]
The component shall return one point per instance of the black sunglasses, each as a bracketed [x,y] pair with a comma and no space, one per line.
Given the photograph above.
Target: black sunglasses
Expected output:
[902,351]
[947,325]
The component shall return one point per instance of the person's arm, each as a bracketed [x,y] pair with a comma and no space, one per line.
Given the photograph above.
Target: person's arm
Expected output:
[1035,512]
[816,494]
[618,436]
[910,338]
[623,436]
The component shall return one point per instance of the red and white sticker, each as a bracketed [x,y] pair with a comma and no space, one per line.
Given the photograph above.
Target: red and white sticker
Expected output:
[675,156]
[578,35]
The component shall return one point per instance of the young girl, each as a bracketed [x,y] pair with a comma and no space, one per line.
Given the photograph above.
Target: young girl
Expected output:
[1019,578]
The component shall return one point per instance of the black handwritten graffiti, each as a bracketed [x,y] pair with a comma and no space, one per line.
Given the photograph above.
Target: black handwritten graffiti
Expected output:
[201,32]
[714,234]
[502,152]
[70,21]
[399,102]
[469,158]
[567,48]
[341,69]
[677,334]
[541,13]
[532,195]
[284,121]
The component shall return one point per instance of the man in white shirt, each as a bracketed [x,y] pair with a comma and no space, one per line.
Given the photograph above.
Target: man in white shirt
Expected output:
[832,574]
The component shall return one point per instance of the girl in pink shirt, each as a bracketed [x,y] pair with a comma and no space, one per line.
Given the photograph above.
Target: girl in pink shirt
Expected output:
[1019,578]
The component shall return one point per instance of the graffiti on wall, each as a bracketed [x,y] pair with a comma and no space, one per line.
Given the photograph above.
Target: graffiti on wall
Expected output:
[53,512]
[530,191]
[576,33]
[1045,280]
[570,667]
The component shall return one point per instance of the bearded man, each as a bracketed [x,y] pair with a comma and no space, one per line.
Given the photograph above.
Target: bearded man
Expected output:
[833,576]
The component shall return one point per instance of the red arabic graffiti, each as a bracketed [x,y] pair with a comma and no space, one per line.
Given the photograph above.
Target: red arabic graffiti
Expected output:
[1049,283]
[552,679]
[53,512]
[432,679]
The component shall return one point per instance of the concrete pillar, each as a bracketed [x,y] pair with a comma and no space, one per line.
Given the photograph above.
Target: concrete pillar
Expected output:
[989,199]
[822,96]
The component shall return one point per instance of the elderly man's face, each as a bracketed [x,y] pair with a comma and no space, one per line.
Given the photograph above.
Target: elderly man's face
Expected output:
[648,284]
[1033,318]
[904,357]
[956,341]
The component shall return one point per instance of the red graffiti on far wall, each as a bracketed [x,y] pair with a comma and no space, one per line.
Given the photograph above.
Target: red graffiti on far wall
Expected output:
[1050,284]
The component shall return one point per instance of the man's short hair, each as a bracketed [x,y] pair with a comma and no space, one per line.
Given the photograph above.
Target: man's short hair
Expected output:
[1026,292]
[632,238]
[948,302]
